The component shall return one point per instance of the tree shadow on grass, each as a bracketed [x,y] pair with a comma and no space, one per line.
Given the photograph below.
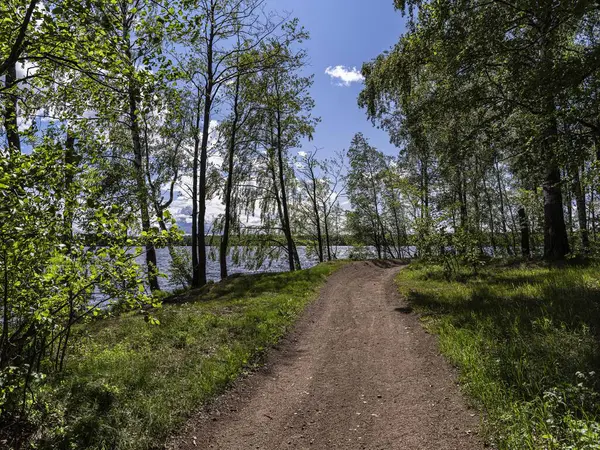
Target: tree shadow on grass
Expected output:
[534,340]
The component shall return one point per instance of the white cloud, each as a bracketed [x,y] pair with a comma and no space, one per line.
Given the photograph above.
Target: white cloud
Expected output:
[344,76]
[181,208]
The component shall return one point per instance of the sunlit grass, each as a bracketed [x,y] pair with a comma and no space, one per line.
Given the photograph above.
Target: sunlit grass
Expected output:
[526,340]
[129,384]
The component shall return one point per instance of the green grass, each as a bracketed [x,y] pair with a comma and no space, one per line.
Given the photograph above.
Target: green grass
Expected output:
[129,384]
[526,339]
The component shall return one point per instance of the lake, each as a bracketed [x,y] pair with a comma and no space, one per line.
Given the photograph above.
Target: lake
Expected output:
[213,272]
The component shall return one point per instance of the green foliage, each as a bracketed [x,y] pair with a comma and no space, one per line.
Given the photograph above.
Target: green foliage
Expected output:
[525,340]
[488,97]
[127,385]
[378,218]
[51,278]
[180,267]
[98,114]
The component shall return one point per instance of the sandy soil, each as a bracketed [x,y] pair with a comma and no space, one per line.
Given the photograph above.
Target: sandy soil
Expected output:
[358,372]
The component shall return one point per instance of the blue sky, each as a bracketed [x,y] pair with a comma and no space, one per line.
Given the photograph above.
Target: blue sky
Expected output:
[343,33]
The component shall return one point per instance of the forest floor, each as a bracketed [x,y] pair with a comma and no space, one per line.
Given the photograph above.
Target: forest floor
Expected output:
[358,372]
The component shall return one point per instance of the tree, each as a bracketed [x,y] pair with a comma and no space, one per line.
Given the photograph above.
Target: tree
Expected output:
[497,70]
[215,34]
[364,192]
[323,183]
[286,117]
[313,187]
[67,250]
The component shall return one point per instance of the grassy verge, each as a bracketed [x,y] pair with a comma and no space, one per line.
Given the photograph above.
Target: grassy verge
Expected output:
[527,342]
[129,384]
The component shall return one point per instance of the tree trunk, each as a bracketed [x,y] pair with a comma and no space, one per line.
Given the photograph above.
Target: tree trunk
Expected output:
[285,211]
[327,239]
[462,198]
[509,249]
[276,193]
[581,210]
[195,166]
[491,215]
[556,242]
[223,250]
[6,317]
[476,226]
[524,224]
[142,194]
[292,252]
[424,188]
[571,230]
[593,214]
[200,273]
[200,270]
[317,217]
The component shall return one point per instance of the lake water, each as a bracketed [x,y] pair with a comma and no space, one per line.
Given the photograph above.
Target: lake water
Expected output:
[213,270]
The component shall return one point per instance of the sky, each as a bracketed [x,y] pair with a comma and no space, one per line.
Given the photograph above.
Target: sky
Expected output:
[343,33]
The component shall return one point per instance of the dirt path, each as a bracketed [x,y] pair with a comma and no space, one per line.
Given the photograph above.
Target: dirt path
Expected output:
[357,373]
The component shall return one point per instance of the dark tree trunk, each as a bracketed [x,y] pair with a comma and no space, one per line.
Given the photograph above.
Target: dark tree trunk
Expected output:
[6,316]
[399,233]
[491,215]
[291,248]
[378,247]
[200,272]
[593,214]
[524,224]
[556,242]
[462,198]
[569,202]
[315,205]
[70,198]
[476,226]
[287,229]
[142,194]
[318,222]
[223,250]
[14,147]
[327,239]
[581,210]
[276,193]
[509,249]
[195,166]
[425,187]
[199,279]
